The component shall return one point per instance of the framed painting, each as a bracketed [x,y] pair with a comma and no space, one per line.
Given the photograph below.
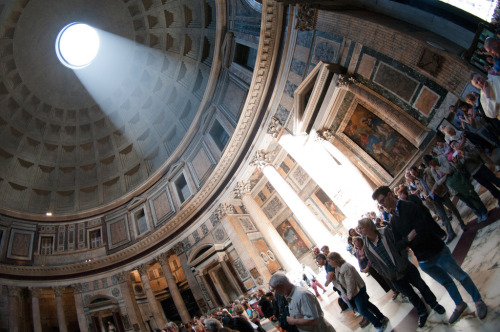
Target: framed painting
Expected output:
[328,207]
[384,144]
[295,241]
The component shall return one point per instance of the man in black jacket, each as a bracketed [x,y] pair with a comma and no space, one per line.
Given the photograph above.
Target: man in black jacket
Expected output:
[414,227]
[392,263]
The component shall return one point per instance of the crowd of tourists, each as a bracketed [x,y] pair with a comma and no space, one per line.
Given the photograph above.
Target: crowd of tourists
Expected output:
[406,225]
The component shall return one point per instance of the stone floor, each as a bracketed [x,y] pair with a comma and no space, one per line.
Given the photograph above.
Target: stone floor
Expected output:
[477,250]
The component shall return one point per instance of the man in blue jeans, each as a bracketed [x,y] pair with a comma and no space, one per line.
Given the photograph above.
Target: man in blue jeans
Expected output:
[380,249]
[414,227]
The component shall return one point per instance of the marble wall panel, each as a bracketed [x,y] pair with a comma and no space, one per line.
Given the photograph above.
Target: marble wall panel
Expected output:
[267,255]
[200,162]
[20,244]
[247,224]
[118,232]
[273,207]
[395,81]
[366,66]
[325,50]
[426,100]
[161,206]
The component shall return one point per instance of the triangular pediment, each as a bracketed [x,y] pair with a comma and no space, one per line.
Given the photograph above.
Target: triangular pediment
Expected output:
[136,201]
[174,169]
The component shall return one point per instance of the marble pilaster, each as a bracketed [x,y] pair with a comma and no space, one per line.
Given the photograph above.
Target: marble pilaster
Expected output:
[35,304]
[316,229]
[223,262]
[174,290]
[246,250]
[133,311]
[190,277]
[279,248]
[156,309]
[80,313]
[61,318]
[14,296]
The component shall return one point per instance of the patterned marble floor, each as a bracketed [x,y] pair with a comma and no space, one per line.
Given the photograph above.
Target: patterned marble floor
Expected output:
[478,252]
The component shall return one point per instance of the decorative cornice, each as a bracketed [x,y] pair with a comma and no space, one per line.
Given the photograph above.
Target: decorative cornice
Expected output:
[262,158]
[275,127]
[242,188]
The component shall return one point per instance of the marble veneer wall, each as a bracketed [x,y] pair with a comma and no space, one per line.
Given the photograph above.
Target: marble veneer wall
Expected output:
[383,55]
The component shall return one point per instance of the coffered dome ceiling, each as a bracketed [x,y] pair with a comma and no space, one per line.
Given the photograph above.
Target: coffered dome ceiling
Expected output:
[67,150]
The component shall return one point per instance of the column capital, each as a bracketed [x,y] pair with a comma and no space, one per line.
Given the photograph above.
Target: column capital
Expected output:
[123,276]
[59,290]
[77,288]
[143,269]
[275,127]
[178,248]
[325,134]
[223,209]
[262,158]
[14,291]
[163,258]
[221,257]
[35,291]
[242,188]
[346,80]
[305,17]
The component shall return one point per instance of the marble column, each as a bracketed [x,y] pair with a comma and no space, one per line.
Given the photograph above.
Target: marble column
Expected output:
[14,296]
[133,311]
[35,304]
[80,312]
[348,189]
[275,242]
[316,229]
[190,277]
[249,255]
[61,319]
[174,290]
[155,306]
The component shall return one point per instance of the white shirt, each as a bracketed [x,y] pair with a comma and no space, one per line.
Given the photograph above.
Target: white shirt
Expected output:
[491,106]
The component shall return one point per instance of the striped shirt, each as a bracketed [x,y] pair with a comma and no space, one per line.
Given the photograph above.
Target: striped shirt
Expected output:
[382,252]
